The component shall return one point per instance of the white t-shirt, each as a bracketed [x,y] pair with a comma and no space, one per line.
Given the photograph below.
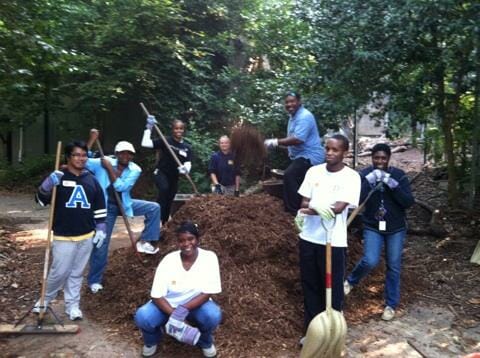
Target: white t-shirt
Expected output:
[178,286]
[322,186]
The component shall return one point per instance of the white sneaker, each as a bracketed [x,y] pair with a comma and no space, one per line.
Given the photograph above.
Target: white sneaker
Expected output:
[301,342]
[347,287]
[388,313]
[149,351]
[96,287]
[209,352]
[75,314]
[146,248]
[36,307]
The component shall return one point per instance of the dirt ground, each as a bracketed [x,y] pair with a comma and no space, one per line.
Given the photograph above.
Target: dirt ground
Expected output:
[439,317]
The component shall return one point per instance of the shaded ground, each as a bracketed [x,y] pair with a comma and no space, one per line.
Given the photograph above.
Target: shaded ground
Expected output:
[261,298]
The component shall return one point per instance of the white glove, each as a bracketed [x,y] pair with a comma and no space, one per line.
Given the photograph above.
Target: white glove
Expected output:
[182,169]
[271,143]
[98,239]
[375,176]
[324,210]
[299,221]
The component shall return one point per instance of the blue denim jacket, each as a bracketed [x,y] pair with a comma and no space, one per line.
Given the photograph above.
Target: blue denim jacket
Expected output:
[123,184]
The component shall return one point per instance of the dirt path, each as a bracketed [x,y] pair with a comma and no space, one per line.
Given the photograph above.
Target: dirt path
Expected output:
[423,329]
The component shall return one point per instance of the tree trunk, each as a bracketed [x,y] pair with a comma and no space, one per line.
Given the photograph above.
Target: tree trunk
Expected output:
[46,119]
[413,127]
[474,172]
[446,121]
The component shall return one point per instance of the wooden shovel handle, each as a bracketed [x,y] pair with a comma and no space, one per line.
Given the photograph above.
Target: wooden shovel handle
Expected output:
[172,153]
[118,200]
[49,238]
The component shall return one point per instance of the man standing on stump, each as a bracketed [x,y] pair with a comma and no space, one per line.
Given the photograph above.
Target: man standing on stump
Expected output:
[304,149]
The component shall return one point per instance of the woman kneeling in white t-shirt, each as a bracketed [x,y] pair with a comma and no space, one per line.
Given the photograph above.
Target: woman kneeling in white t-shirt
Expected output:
[183,283]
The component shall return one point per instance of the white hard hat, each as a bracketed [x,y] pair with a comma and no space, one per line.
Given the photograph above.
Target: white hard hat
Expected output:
[123,145]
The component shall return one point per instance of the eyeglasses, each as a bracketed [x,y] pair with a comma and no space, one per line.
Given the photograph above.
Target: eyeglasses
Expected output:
[79,155]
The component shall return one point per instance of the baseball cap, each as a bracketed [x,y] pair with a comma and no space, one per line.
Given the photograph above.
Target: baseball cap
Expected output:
[123,145]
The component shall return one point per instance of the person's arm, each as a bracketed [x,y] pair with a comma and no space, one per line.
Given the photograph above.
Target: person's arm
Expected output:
[402,194]
[92,138]
[237,182]
[288,141]
[125,183]
[214,179]
[147,139]
[163,305]
[197,301]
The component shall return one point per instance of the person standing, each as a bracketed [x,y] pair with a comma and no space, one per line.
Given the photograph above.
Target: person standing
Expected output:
[304,149]
[223,171]
[120,174]
[78,225]
[328,191]
[385,225]
[181,294]
[167,172]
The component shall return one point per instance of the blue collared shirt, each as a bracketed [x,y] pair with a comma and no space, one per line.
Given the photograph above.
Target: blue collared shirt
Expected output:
[123,184]
[303,126]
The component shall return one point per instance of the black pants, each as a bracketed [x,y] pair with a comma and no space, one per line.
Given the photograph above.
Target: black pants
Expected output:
[312,273]
[167,186]
[292,179]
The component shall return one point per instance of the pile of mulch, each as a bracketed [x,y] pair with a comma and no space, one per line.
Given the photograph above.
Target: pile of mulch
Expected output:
[261,300]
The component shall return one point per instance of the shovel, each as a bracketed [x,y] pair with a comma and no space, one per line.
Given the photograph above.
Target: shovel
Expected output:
[327,331]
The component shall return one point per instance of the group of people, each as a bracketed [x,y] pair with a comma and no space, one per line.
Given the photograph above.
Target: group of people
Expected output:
[319,189]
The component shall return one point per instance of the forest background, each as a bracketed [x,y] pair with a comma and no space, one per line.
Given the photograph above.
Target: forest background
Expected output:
[217,64]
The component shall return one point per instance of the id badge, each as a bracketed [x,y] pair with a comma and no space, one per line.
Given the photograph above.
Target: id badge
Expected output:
[382,225]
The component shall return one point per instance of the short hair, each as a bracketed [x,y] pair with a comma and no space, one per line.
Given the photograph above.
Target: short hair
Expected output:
[177,121]
[190,227]
[293,94]
[223,137]
[343,139]
[74,144]
[381,147]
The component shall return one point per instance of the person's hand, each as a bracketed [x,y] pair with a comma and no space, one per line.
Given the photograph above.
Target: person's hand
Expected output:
[52,180]
[177,328]
[389,181]
[151,121]
[375,176]
[218,189]
[271,143]
[100,235]
[324,210]
[237,193]
[106,163]
[182,169]
[299,221]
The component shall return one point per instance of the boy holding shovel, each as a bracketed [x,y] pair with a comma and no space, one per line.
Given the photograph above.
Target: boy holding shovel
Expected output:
[327,192]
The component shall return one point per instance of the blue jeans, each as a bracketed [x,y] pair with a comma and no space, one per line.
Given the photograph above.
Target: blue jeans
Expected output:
[151,320]
[151,232]
[373,242]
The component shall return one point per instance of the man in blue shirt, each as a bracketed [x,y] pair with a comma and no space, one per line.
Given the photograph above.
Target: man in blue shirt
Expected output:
[120,174]
[223,171]
[304,149]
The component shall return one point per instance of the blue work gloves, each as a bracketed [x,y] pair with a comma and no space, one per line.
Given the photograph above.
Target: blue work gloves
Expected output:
[389,181]
[52,180]
[271,143]
[323,209]
[178,329]
[378,175]
[299,221]
[218,189]
[182,169]
[100,235]
[151,121]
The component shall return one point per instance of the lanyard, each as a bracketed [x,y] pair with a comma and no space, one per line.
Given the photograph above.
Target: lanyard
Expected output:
[381,211]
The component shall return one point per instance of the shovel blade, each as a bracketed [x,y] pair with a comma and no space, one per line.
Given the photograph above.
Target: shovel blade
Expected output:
[326,335]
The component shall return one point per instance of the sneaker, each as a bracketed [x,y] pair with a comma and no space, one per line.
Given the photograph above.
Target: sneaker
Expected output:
[96,287]
[75,314]
[146,248]
[149,351]
[388,313]
[209,352]
[36,307]
[301,342]
[347,287]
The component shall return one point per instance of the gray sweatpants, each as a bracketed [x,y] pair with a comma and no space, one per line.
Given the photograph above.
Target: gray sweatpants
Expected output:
[69,261]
